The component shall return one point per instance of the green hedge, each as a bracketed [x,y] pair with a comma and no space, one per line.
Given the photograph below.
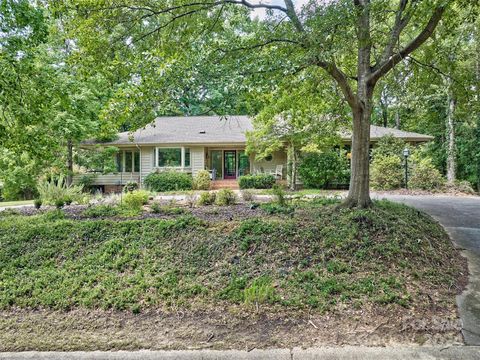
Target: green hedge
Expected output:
[168,181]
[261,181]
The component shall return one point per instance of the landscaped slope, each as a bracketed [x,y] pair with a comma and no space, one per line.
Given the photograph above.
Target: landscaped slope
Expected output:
[318,257]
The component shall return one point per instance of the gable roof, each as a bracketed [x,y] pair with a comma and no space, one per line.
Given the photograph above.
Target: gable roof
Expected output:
[376,132]
[220,130]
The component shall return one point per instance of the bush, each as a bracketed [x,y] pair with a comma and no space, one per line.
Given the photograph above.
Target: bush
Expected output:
[206,198]
[247,195]
[100,211]
[202,181]
[225,197]
[59,203]
[279,194]
[260,181]
[135,199]
[37,203]
[53,192]
[425,176]
[86,181]
[156,208]
[389,145]
[319,170]
[461,186]
[168,181]
[386,172]
[130,186]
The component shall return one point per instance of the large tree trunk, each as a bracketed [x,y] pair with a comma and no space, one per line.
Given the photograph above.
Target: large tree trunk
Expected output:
[69,162]
[292,155]
[451,146]
[359,191]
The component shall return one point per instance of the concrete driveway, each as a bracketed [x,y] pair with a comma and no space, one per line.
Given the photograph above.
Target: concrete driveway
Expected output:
[461,218]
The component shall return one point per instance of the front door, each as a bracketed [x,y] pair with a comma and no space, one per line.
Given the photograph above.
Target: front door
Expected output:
[230,164]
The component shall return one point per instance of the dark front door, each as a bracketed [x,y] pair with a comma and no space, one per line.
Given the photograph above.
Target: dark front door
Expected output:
[230,164]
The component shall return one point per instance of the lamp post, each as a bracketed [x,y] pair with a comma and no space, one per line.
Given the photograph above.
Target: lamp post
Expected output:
[406,154]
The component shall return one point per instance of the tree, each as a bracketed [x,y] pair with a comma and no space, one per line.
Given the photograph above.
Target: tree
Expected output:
[355,42]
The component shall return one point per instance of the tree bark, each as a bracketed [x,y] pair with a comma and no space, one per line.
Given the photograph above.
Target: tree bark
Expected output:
[397,119]
[359,190]
[451,146]
[292,181]
[69,162]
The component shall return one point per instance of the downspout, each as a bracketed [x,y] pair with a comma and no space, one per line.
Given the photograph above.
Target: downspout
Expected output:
[140,182]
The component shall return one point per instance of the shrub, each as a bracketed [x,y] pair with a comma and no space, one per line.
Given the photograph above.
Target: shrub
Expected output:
[279,195]
[207,198]
[461,186]
[59,203]
[52,192]
[247,195]
[319,170]
[386,172]
[100,211]
[86,181]
[260,181]
[425,176]
[225,197]
[135,199]
[202,181]
[156,208]
[130,186]
[168,181]
[37,203]
[389,145]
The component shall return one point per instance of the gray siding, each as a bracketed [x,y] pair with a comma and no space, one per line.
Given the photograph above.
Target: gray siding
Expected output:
[147,159]
[197,159]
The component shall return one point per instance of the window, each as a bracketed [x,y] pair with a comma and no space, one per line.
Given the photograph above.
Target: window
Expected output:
[128,161]
[187,157]
[173,157]
[169,157]
[136,161]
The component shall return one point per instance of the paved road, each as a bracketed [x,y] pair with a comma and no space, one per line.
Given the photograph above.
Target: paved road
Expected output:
[327,353]
[461,218]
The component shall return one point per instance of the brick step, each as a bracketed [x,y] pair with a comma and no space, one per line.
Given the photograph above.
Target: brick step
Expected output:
[224,184]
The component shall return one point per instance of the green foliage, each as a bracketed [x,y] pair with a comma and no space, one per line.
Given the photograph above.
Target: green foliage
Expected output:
[156,208]
[59,203]
[100,211]
[54,192]
[100,159]
[207,198]
[130,186]
[425,176]
[275,208]
[225,197]
[279,194]
[111,264]
[136,199]
[260,181]
[87,181]
[387,146]
[247,195]
[260,291]
[168,181]
[202,181]
[319,170]
[386,172]
[37,203]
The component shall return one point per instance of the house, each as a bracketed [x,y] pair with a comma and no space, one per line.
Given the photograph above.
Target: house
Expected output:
[194,143]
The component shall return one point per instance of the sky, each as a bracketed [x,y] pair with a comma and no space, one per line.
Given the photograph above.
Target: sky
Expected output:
[261,12]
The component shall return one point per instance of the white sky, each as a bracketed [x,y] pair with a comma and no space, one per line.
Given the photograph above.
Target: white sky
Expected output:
[261,12]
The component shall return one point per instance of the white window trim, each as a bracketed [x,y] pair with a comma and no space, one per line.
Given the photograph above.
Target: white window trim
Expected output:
[133,151]
[182,157]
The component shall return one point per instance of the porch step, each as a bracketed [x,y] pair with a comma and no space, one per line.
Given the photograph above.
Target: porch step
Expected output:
[224,184]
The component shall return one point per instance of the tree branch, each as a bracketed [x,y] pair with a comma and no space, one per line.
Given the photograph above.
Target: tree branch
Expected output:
[399,25]
[384,67]
[291,13]
[341,80]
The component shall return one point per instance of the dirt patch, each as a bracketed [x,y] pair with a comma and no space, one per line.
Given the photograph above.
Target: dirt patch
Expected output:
[24,330]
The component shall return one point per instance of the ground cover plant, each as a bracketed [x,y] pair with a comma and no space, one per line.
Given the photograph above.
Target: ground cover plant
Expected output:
[50,261]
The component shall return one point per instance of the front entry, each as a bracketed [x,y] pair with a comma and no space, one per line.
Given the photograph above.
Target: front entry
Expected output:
[230,164]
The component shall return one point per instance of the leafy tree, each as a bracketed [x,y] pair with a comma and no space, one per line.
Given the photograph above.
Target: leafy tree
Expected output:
[355,42]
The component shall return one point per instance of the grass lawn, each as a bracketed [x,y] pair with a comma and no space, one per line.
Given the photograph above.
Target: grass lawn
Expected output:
[15,203]
[287,265]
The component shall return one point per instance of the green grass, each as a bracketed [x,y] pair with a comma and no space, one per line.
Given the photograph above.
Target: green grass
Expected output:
[317,256]
[15,203]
